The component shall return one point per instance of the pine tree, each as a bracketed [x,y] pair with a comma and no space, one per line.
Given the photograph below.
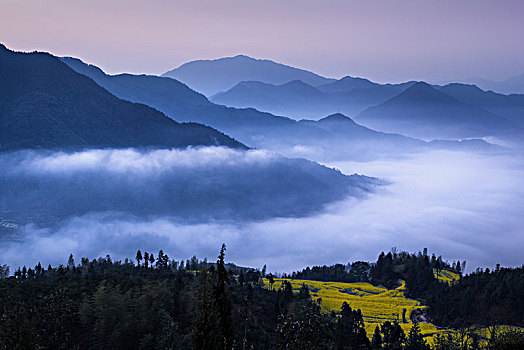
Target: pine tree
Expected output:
[151,259]
[206,332]
[376,341]
[415,339]
[349,330]
[223,298]
[138,257]
[162,260]
[71,263]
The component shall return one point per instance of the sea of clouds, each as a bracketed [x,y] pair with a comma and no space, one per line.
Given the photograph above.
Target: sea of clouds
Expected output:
[460,205]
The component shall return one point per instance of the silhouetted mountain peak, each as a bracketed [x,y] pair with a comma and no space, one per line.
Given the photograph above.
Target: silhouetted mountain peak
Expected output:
[242,57]
[462,86]
[296,82]
[420,86]
[300,86]
[347,84]
[337,117]
[423,93]
[212,76]
[356,80]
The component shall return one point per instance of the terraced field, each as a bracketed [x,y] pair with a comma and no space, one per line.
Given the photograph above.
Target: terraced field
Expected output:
[378,304]
[446,276]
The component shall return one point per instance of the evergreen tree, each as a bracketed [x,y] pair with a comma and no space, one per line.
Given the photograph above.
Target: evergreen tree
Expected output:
[138,257]
[349,330]
[71,262]
[151,259]
[306,329]
[415,340]
[223,298]
[376,341]
[4,271]
[206,333]
[146,259]
[162,260]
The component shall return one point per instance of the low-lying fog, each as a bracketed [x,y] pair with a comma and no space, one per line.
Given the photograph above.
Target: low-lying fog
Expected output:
[460,205]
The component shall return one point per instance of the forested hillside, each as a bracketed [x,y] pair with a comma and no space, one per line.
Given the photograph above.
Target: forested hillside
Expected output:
[154,302]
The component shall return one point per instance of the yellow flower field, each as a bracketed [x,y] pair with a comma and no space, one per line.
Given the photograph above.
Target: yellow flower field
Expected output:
[446,276]
[378,304]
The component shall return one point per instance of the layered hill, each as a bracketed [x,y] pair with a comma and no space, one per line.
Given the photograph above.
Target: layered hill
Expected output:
[46,104]
[310,139]
[212,76]
[423,111]
[512,85]
[294,99]
[299,100]
[508,106]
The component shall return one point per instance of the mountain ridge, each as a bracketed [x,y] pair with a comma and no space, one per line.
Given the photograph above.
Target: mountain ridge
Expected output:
[213,76]
[46,104]
[425,112]
[275,133]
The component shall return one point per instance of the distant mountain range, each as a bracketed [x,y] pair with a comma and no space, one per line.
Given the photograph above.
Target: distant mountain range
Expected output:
[451,111]
[299,100]
[212,76]
[423,111]
[254,128]
[513,85]
[510,107]
[46,104]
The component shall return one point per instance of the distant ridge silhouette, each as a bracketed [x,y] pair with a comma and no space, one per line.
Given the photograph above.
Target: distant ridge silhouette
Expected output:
[423,111]
[333,136]
[212,76]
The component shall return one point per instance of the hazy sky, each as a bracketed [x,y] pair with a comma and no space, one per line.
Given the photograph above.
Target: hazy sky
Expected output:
[382,40]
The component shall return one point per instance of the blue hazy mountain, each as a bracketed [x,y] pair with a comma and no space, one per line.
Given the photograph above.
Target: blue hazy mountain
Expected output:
[423,111]
[178,101]
[512,85]
[255,128]
[508,106]
[294,99]
[367,141]
[299,100]
[212,76]
[153,90]
[46,104]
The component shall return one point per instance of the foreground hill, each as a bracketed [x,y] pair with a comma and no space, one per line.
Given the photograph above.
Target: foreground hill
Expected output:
[45,104]
[423,111]
[159,302]
[212,76]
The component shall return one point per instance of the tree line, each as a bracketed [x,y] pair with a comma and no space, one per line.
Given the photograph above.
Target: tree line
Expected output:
[192,304]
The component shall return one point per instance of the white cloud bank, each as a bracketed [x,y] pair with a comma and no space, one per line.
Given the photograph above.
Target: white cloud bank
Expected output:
[459,205]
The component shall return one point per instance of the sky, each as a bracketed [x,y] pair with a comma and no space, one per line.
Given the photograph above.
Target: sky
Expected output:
[386,41]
